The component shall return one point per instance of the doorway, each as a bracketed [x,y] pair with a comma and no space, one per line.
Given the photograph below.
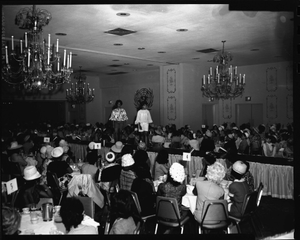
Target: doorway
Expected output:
[249,113]
[208,113]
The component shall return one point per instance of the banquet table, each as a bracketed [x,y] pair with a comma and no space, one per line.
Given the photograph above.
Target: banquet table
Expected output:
[278,180]
[49,227]
[277,175]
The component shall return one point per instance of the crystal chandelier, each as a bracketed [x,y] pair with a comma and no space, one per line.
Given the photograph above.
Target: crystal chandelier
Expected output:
[224,82]
[80,93]
[35,64]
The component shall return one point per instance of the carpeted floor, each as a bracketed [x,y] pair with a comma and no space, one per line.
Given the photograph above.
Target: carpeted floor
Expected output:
[274,216]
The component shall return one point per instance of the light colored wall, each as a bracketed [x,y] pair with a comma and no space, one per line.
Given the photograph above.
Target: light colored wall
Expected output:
[124,87]
[256,82]
[190,98]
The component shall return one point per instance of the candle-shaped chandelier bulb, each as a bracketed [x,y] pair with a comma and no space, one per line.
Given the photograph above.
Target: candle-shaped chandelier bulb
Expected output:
[34,64]
[223,83]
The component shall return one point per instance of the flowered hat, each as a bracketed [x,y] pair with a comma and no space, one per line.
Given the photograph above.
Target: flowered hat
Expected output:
[57,152]
[31,173]
[117,147]
[110,156]
[127,160]
[177,172]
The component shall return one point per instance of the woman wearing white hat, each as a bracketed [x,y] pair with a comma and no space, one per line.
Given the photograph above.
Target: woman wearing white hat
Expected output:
[238,189]
[31,191]
[174,186]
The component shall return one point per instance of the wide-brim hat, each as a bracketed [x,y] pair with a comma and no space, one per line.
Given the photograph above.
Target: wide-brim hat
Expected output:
[14,145]
[110,156]
[57,152]
[31,173]
[239,167]
[177,172]
[117,147]
[127,160]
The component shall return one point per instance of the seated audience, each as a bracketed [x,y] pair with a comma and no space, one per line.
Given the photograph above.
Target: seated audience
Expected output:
[90,166]
[72,214]
[174,186]
[15,153]
[144,187]
[31,191]
[123,213]
[208,159]
[237,189]
[269,148]
[127,173]
[161,165]
[209,188]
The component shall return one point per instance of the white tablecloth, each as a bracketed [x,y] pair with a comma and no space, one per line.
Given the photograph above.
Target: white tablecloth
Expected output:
[45,228]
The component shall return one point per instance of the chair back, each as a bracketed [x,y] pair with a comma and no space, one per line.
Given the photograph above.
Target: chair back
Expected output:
[215,212]
[167,210]
[88,205]
[260,192]
[52,180]
[136,201]
[249,204]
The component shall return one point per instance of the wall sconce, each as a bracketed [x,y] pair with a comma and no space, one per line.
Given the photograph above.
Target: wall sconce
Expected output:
[248,99]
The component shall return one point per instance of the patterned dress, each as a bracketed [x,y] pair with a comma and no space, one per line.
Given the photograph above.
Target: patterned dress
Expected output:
[167,189]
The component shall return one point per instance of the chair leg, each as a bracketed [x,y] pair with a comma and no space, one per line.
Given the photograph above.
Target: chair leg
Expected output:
[200,230]
[156,227]
[181,230]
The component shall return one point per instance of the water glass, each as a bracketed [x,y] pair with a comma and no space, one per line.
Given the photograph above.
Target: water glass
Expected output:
[33,217]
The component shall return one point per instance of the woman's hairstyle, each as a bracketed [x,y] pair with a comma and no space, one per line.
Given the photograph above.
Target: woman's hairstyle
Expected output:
[210,158]
[162,156]
[71,212]
[122,205]
[92,157]
[116,103]
[140,157]
[11,220]
[215,172]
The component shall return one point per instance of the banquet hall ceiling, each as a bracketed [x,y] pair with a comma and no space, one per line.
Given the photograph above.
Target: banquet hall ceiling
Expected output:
[104,41]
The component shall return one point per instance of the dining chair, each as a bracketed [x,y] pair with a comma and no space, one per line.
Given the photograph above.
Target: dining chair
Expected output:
[259,195]
[215,216]
[88,205]
[168,214]
[249,206]
[138,207]
[53,183]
